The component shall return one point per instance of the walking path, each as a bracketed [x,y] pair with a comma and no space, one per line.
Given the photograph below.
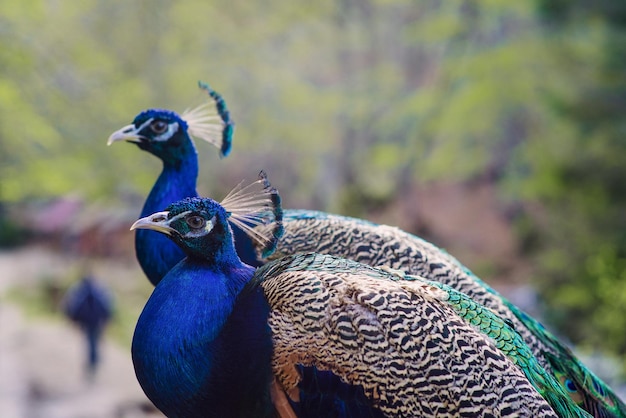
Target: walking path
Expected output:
[42,360]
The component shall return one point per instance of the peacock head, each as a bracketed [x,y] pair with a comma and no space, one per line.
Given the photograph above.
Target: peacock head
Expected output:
[200,225]
[167,134]
[158,131]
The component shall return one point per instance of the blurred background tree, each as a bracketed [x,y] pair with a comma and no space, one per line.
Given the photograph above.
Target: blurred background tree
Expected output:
[363,107]
[577,183]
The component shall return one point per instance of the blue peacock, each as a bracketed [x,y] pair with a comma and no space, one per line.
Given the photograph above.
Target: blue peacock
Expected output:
[167,135]
[311,335]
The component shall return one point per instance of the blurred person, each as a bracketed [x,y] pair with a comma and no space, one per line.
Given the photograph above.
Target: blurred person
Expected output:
[89,305]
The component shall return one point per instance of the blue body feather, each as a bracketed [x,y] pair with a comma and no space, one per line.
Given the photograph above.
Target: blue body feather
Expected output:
[197,308]
[322,392]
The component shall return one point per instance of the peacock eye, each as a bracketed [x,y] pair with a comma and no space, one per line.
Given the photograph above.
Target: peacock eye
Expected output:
[570,385]
[158,127]
[196,222]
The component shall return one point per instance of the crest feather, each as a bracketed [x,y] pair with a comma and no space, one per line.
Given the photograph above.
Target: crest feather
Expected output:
[253,205]
[211,122]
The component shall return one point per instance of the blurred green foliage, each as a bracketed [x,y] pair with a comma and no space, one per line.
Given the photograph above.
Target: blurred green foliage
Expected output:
[347,105]
[378,92]
[577,178]
[11,233]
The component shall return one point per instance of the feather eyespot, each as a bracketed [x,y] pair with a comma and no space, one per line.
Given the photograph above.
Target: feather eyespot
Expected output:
[158,127]
[570,385]
[195,222]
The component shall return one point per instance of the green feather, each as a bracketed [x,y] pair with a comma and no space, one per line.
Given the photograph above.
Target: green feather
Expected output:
[568,366]
[381,245]
[485,320]
[590,390]
[510,343]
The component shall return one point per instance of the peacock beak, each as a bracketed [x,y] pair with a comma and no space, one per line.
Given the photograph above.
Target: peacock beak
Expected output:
[127,133]
[157,222]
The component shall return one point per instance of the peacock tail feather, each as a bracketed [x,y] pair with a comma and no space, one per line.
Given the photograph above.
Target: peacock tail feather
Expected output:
[401,341]
[376,245]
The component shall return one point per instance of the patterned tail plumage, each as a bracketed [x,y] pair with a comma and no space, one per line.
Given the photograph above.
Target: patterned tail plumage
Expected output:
[383,245]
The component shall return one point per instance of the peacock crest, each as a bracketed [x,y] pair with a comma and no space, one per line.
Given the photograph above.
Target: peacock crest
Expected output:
[211,121]
[254,205]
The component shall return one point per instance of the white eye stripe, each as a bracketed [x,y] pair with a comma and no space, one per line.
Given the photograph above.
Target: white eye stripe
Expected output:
[177,217]
[143,125]
[210,224]
[172,128]
[194,233]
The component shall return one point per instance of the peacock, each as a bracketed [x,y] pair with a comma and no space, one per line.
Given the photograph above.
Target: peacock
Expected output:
[167,135]
[314,335]
[376,245]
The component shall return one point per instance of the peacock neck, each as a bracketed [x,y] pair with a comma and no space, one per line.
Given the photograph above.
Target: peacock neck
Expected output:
[187,343]
[176,181]
[155,252]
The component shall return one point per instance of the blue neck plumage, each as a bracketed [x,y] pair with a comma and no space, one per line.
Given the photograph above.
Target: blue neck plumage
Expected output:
[197,341]
[176,181]
[155,252]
